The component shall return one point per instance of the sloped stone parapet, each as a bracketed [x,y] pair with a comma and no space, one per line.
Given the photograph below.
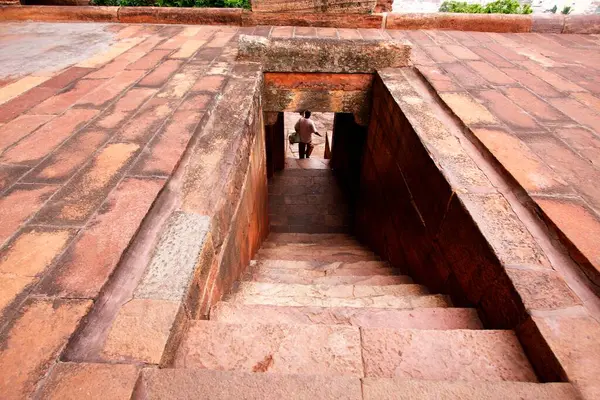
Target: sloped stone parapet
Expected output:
[473,240]
[323,55]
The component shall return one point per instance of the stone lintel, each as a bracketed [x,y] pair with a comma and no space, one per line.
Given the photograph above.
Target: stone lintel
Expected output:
[320,92]
[324,54]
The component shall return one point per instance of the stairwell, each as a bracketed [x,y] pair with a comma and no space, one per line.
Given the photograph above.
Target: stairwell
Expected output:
[320,316]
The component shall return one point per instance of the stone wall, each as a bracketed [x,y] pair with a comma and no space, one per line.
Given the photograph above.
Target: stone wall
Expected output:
[428,207]
[538,6]
[311,6]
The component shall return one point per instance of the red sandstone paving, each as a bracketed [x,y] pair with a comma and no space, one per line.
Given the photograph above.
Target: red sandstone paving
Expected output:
[533,100]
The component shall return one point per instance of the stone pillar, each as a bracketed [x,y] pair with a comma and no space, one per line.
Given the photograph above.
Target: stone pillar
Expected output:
[274,142]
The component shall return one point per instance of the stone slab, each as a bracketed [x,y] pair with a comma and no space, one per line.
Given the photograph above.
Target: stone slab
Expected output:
[275,239]
[423,318]
[324,256]
[75,381]
[400,389]
[308,54]
[35,341]
[460,22]
[465,355]
[311,6]
[169,275]
[282,290]
[384,301]
[324,266]
[141,331]
[283,349]
[172,384]
[279,276]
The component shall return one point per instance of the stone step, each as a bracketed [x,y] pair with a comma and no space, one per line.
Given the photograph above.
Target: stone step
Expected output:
[202,384]
[328,255]
[330,267]
[319,247]
[285,349]
[385,301]
[452,355]
[274,276]
[423,318]
[199,384]
[285,290]
[400,389]
[318,273]
[328,239]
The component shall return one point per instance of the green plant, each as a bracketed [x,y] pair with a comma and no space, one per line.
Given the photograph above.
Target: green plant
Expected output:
[567,10]
[495,7]
[553,9]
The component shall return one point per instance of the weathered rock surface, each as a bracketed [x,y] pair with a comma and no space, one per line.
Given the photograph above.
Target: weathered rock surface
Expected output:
[174,384]
[459,355]
[288,349]
[422,318]
[400,389]
[324,54]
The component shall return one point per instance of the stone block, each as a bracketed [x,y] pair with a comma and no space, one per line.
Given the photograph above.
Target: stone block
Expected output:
[323,54]
[460,22]
[59,13]
[75,381]
[317,92]
[543,23]
[577,225]
[459,355]
[321,19]
[34,342]
[282,349]
[422,318]
[400,389]
[170,272]
[310,6]
[172,384]
[564,346]
[145,330]
[586,24]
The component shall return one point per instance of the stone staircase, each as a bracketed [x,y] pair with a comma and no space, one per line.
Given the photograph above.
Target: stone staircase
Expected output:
[318,316]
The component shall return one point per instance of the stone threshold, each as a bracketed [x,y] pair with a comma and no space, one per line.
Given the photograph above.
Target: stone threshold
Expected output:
[582,24]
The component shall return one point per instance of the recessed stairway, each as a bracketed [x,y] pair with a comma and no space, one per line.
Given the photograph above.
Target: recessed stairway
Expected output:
[319,316]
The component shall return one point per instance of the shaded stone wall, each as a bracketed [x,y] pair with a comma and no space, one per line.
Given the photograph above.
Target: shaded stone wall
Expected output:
[348,142]
[387,218]
[308,201]
[428,207]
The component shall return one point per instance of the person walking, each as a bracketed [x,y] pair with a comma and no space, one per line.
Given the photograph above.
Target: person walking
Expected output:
[305,128]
